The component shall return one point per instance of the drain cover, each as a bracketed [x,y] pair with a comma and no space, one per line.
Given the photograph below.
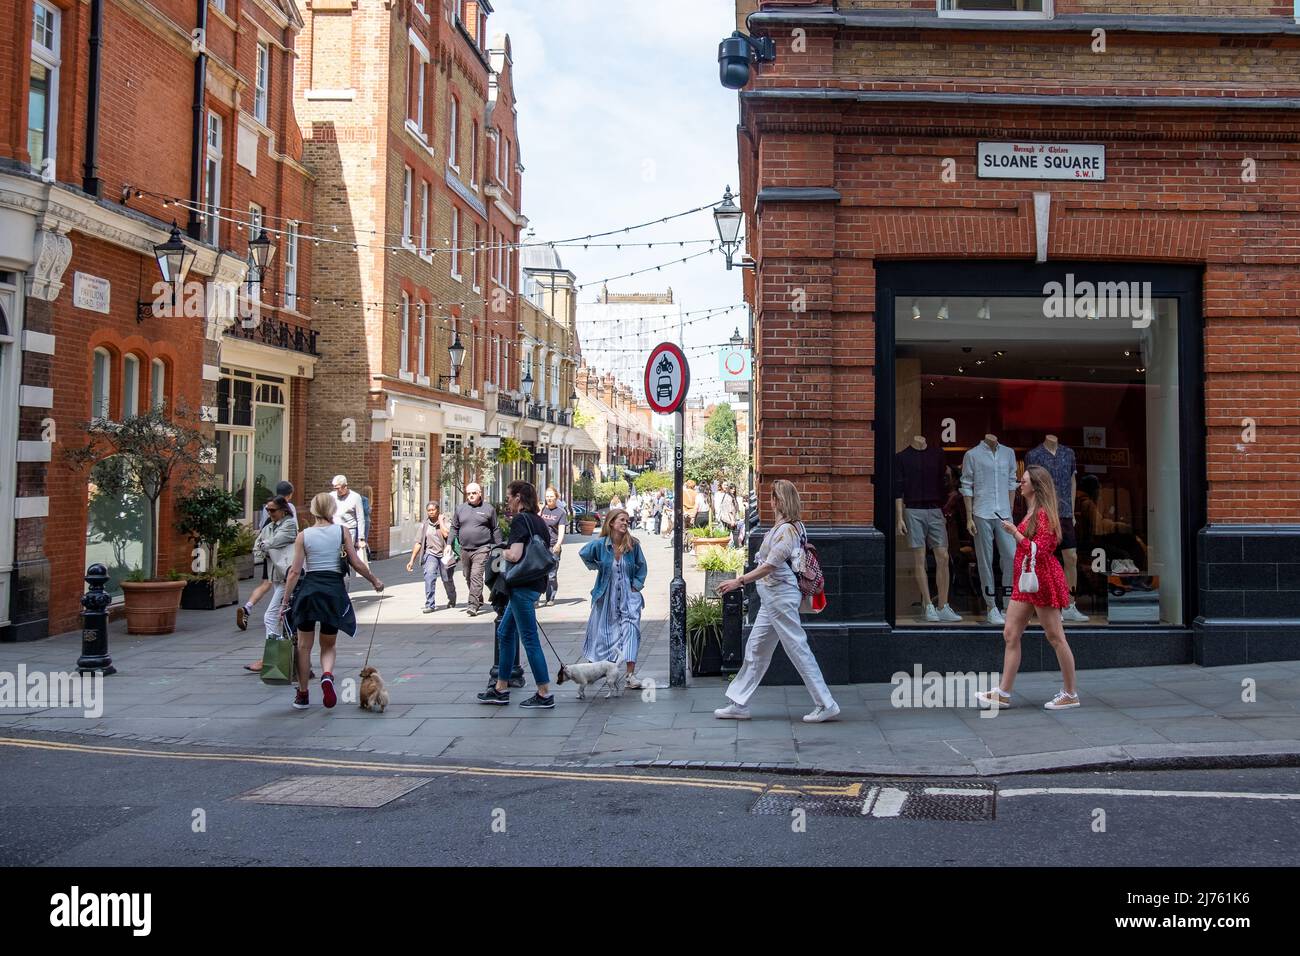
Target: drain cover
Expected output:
[959,802]
[320,790]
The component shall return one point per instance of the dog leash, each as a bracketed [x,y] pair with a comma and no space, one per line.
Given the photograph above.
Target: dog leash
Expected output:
[374,627]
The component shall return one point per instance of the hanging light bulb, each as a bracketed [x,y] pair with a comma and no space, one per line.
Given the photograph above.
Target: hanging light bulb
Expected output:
[916,311]
[943,311]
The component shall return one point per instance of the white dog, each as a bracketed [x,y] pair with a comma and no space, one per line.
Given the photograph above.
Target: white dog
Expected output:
[588,673]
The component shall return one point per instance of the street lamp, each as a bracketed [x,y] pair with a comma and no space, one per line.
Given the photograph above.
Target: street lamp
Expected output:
[736,340]
[174,257]
[457,353]
[262,252]
[726,216]
[527,384]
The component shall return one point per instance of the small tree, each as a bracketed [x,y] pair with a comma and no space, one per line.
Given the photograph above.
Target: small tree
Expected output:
[156,452]
[651,481]
[584,490]
[208,515]
[706,459]
[462,467]
[721,425]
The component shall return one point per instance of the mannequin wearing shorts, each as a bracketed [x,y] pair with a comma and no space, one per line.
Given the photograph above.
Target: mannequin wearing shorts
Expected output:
[918,484]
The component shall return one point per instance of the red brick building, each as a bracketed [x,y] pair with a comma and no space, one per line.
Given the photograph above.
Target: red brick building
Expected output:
[108,136]
[1059,225]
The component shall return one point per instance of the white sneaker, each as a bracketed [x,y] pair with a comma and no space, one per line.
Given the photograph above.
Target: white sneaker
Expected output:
[993,698]
[633,682]
[946,613]
[820,714]
[931,614]
[1062,701]
[1073,615]
[732,712]
[995,617]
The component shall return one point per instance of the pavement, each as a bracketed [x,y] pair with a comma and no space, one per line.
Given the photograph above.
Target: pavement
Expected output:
[189,687]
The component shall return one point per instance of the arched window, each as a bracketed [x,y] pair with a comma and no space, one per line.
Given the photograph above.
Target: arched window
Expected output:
[101,384]
[130,386]
[158,384]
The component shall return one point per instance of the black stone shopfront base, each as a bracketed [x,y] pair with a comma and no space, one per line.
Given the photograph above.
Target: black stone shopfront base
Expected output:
[29,602]
[1242,570]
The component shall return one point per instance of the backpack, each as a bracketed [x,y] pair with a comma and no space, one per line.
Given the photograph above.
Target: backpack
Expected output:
[811,581]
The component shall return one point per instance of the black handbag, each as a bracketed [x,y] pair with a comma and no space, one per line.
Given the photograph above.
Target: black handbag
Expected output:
[537,562]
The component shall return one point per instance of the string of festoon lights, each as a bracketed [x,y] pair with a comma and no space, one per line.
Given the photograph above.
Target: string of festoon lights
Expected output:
[329,232]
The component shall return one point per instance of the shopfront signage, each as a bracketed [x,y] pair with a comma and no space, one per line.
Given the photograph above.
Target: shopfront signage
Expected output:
[458,417]
[1041,161]
[91,292]
[734,365]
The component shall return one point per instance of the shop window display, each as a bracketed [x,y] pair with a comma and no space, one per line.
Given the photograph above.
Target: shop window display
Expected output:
[985,387]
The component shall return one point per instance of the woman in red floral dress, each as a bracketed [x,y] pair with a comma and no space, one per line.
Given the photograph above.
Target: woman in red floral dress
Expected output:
[1042,527]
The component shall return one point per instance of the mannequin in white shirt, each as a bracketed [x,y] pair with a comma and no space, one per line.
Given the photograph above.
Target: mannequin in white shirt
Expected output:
[988,483]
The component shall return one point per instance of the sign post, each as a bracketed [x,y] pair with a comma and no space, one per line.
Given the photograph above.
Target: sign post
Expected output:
[667,378]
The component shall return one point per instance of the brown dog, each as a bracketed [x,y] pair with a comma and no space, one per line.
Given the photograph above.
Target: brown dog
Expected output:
[374,695]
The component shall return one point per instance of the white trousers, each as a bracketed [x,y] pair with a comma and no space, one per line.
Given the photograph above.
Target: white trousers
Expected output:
[778,620]
[271,619]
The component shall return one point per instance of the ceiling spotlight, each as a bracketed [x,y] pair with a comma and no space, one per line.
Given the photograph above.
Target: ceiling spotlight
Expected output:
[916,310]
[983,312]
[1141,368]
[981,398]
[943,311]
[961,369]
[979,361]
[999,353]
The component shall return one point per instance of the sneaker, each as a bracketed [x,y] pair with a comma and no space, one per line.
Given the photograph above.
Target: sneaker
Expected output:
[633,682]
[494,696]
[327,689]
[538,702]
[472,612]
[732,712]
[931,614]
[1062,701]
[994,698]
[995,617]
[947,614]
[301,700]
[241,617]
[820,714]
[429,610]
[1073,615]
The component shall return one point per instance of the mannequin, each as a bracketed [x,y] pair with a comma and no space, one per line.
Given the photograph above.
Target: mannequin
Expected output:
[988,483]
[1058,460]
[918,509]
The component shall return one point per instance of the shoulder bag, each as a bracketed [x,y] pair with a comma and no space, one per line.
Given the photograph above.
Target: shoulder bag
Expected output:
[537,561]
[1028,583]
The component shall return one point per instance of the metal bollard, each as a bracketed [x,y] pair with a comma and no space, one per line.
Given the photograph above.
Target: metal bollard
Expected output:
[733,619]
[94,624]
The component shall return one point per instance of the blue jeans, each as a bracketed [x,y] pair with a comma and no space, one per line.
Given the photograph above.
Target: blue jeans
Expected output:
[521,619]
[435,571]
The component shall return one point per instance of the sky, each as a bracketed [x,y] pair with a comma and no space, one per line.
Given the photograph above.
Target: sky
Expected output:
[622,120]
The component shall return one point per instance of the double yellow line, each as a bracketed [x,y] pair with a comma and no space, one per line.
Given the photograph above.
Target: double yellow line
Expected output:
[326,763]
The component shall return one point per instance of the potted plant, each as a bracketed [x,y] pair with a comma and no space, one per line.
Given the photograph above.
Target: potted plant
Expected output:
[208,516]
[152,453]
[720,564]
[238,551]
[711,536]
[584,490]
[704,635]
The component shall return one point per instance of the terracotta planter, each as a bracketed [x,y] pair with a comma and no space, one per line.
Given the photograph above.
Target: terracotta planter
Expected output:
[699,544]
[587,527]
[151,606]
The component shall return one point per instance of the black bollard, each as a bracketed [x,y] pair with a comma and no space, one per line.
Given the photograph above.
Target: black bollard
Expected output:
[94,624]
[733,619]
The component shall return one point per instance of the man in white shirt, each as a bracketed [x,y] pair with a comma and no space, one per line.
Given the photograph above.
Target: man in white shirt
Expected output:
[350,513]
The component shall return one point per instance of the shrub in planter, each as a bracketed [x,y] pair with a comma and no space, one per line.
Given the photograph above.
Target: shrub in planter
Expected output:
[208,515]
[239,553]
[720,564]
[704,635]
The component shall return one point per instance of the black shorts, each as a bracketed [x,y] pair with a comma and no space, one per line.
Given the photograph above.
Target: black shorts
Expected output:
[1068,539]
[310,626]
[266,569]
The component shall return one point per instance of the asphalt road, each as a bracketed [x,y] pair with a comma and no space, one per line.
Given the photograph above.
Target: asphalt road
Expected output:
[88,807]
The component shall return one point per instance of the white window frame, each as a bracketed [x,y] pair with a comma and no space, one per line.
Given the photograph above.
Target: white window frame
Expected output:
[424,217]
[408,176]
[290,298]
[404,361]
[453,133]
[212,178]
[473,154]
[157,384]
[506,182]
[219,4]
[473,261]
[1045,14]
[101,402]
[262,83]
[49,57]
[420,80]
[130,385]
[421,314]
[455,244]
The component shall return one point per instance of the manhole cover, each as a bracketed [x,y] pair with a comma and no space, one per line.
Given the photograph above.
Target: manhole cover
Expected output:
[320,790]
[959,802]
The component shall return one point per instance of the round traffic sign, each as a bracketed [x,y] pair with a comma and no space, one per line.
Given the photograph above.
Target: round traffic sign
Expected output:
[667,377]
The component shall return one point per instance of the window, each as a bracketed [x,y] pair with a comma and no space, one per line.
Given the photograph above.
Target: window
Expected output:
[263,82]
[290,300]
[455,243]
[406,205]
[424,218]
[219,4]
[473,260]
[453,134]
[130,386]
[43,94]
[251,436]
[420,340]
[158,384]
[212,181]
[997,9]
[496,358]
[505,179]
[404,359]
[473,156]
[101,383]
[420,69]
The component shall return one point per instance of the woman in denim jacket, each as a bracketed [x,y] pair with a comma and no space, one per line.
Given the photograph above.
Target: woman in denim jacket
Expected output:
[614,628]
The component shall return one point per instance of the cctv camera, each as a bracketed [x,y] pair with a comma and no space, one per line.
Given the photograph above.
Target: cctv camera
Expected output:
[733,61]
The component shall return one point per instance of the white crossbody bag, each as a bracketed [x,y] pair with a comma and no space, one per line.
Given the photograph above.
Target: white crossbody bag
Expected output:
[1028,576]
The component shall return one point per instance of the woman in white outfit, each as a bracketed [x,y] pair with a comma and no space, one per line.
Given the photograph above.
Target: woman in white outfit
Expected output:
[778,615]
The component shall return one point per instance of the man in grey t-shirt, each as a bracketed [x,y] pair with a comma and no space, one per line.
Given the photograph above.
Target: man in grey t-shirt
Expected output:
[475,525]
